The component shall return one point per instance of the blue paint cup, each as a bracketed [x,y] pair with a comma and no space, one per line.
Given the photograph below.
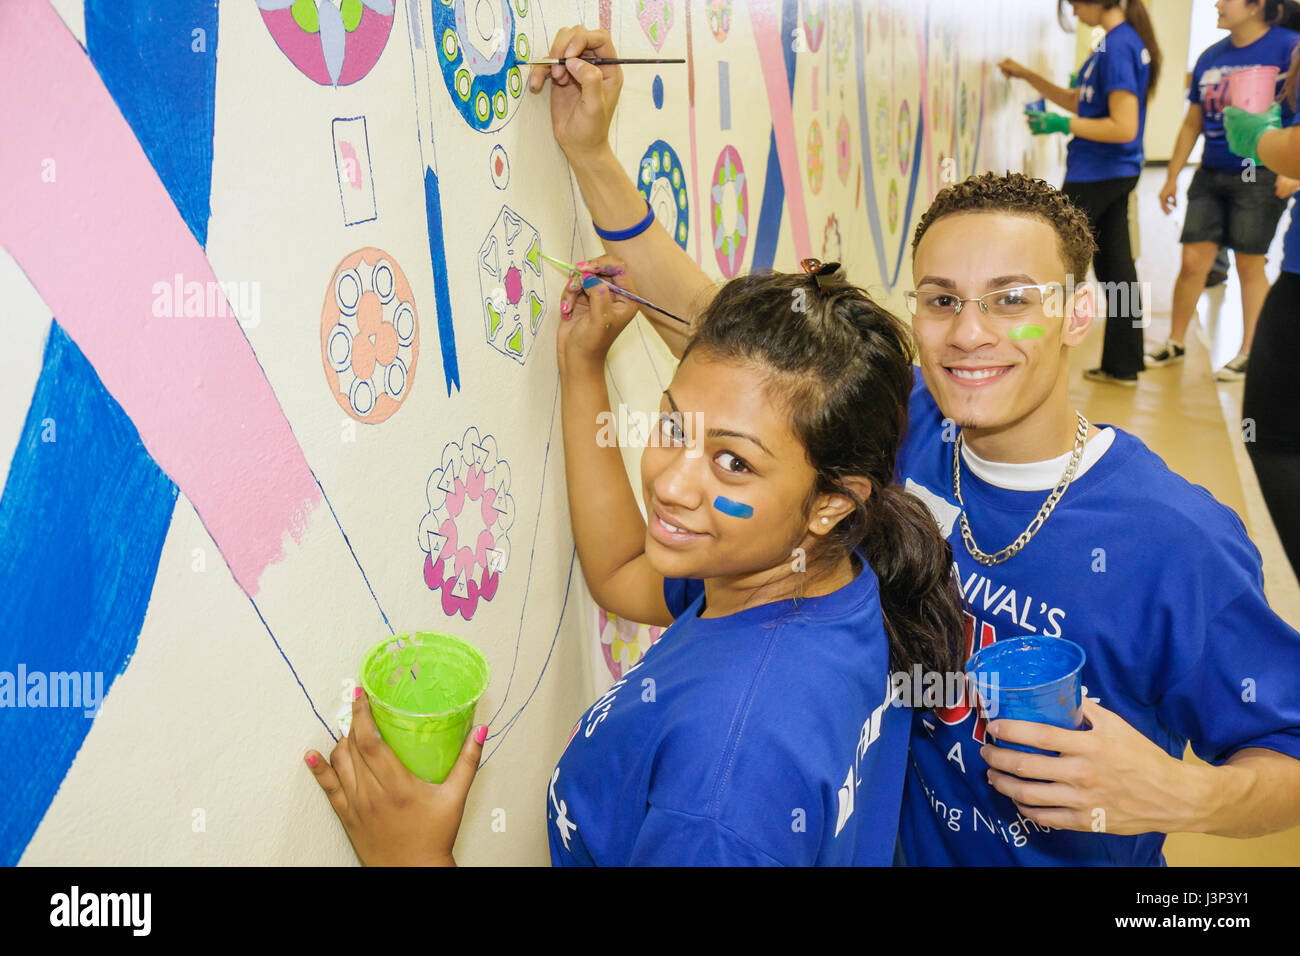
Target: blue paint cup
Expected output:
[1030,678]
[1039,105]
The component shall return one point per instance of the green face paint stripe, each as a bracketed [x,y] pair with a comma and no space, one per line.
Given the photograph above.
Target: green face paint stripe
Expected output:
[1026,332]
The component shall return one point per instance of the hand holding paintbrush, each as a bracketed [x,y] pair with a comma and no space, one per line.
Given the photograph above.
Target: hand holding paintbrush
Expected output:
[604,274]
[592,314]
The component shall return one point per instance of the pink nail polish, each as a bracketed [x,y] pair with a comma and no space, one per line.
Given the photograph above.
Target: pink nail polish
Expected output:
[480,735]
[564,308]
[356,692]
[312,761]
[582,265]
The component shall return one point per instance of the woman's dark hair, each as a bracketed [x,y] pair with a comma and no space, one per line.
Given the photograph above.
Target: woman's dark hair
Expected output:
[1135,12]
[842,367]
[1273,10]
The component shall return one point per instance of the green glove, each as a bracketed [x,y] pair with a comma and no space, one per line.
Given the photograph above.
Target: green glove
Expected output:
[1244,129]
[1041,122]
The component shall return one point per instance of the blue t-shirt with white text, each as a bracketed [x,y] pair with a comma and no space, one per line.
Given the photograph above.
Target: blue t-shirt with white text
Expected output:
[1209,88]
[765,737]
[1161,587]
[1120,63]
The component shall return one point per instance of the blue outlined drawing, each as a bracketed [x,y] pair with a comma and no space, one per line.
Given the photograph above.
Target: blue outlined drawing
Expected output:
[479,61]
[662,181]
[355,170]
[510,284]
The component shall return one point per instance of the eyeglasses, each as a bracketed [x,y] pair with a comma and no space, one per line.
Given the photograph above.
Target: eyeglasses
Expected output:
[1002,303]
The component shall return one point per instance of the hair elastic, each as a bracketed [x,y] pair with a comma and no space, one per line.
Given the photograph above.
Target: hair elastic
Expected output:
[618,235]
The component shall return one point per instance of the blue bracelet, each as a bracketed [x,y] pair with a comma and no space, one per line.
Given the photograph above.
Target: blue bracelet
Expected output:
[618,235]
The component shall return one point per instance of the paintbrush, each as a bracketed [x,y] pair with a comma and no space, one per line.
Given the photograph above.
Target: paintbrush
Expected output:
[595,61]
[602,273]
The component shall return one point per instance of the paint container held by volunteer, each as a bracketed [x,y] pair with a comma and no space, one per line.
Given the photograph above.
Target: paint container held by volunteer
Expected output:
[1038,679]
[1253,89]
[423,689]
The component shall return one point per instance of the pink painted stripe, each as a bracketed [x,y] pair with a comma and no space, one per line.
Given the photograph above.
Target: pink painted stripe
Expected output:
[766,23]
[923,112]
[700,218]
[94,242]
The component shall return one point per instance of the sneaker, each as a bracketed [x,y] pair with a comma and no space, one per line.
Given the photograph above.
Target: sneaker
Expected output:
[1167,354]
[1100,375]
[1234,370]
[1215,278]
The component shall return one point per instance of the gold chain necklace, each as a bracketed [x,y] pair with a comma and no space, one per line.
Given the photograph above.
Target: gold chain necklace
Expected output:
[1080,439]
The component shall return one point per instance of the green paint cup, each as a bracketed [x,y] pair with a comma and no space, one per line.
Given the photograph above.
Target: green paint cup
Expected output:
[423,689]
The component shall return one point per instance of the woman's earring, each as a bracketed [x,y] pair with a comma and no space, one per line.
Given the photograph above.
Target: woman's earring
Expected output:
[826,520]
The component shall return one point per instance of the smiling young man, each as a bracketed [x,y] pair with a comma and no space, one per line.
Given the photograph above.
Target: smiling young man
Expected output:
[1065,528]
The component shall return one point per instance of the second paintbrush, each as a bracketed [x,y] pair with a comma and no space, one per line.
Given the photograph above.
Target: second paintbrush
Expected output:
[595,61]
[616,289]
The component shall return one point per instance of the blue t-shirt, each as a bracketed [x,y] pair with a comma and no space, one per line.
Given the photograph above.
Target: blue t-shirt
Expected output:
[1160,586]
[1120,63]
[1291,239]
[765,737]
[1291,245]
[1209,87]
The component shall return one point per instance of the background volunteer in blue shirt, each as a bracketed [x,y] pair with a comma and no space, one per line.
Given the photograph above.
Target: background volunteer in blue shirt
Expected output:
[1228,203]
[760,729]
[1104,160]
[1096,541]
[1271,404]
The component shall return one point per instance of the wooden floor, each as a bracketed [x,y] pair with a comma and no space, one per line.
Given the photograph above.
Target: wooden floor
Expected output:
[1184,416]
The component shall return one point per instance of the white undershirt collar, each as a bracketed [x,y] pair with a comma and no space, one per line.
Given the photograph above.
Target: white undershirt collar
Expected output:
[1036,475]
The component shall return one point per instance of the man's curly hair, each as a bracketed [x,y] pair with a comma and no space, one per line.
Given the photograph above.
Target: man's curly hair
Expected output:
[1019,195]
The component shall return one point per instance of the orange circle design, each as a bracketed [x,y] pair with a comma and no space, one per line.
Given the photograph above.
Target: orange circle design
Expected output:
[370,335]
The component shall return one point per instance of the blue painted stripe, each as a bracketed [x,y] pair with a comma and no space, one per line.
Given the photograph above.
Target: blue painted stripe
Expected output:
[82,524]
[158,59]
[768,231]
[864,127]
[911,191]
[441,288]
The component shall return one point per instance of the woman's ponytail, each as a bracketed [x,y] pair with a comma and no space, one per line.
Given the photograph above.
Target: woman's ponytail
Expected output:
[918,592]
[1135,12]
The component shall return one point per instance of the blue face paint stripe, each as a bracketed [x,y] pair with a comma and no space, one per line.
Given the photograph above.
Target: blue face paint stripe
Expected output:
[736,509]
[82,524]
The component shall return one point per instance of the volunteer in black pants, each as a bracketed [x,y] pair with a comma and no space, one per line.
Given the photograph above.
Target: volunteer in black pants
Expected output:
[1104,160]
[1270,408]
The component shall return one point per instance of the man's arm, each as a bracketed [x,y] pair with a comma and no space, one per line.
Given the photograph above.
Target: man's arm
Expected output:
[1279,150]
[1255,792]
